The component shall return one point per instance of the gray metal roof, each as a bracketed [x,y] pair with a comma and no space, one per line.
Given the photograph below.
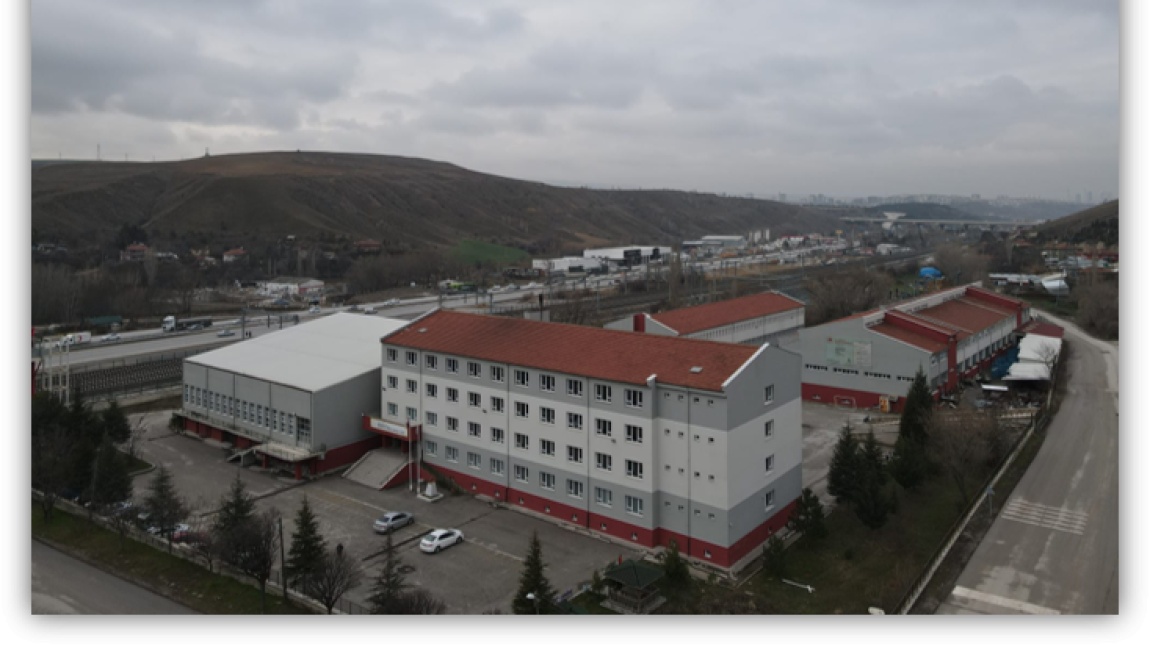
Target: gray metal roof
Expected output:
[310,356]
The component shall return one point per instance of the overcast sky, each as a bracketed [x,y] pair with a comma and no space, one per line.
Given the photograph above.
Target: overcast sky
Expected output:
[845,98]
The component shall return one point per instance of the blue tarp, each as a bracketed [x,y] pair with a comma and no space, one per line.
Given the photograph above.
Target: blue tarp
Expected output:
[1001,365]
[929,273]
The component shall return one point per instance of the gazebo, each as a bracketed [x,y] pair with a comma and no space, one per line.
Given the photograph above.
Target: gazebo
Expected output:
[631,588]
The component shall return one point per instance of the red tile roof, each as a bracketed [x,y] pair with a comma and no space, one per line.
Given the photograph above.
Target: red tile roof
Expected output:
[965,315]
[611,355]
[689,320]
[1043,329]
[907,336]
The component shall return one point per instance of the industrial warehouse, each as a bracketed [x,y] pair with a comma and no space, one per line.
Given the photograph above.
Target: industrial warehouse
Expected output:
[770,317]
[640,437]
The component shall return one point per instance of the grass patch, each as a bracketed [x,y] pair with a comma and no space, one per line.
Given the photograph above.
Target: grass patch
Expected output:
[182,581]
[588,603]
[475,252]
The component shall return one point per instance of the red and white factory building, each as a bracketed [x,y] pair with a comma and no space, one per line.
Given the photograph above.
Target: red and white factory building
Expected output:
[639,437]
[868,360]
[769,317]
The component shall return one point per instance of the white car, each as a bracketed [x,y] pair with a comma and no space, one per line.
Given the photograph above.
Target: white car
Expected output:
[314,309]
[390,302]
[107,338]
[370,309]
[440,539]
[531,285]
[495,290]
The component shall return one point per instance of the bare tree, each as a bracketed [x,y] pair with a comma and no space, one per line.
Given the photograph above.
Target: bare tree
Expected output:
[337,573]
[255,548]
[960,264]
[838,294]
[962,443]
[1048,354]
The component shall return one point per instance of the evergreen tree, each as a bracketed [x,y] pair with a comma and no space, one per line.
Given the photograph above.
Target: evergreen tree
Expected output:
[111,482]
[675,567]
[535,583]
[910,463]
[236,508]
[844,470]
[164,506]
[307,547]
[114,423]
[872,459]
[389,589]
[775,556]
[808,518]
[871,504]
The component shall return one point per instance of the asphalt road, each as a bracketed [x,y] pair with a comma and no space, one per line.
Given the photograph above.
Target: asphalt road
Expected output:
[1053,548]
[62,585]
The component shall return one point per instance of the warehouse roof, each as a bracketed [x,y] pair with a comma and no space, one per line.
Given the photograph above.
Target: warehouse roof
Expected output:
[611,355]
[689,320]
[964,315]
[310,356]
[909,337]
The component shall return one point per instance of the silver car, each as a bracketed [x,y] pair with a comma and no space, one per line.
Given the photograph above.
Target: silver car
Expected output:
[392,521]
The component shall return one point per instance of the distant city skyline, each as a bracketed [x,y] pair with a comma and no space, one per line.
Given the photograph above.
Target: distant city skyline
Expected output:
[840,98]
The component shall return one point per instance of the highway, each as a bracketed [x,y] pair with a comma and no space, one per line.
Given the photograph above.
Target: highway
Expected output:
[1053,548]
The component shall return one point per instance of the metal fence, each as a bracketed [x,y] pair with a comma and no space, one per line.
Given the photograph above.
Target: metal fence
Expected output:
[120,377]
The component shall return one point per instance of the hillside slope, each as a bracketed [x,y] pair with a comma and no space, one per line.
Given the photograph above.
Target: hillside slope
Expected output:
[407,203]
[1096,224]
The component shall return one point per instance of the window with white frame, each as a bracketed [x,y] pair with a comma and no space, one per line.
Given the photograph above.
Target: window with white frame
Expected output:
[575,421]
[770,463]
[497,435]
[602,393]
[474,429]
[521,473]
[497,404]
[497,466]
[497,374]
[547,480]
[574,488]
[432,418]
[603,496]
[769,499]
[411,385]
[633,505]
[392,355]
[633,398]
[431,361]
[452,394]
[474,400]
[412,414]
[392,381]
[453,423]
[412,358]
[603,461]
[521,377]
[574,387]
[575,454]
[603,427]
[546,415]
[769,428]
[432,390]
[474,369]
[473,460]
[452,365]
[634,434]
[547,383]
[451,454]
[430,448]
[521,409]
[546,447]
[634,469]
[521,441]
[769,394]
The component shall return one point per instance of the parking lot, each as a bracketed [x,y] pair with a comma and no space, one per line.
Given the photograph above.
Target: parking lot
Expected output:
[480,575]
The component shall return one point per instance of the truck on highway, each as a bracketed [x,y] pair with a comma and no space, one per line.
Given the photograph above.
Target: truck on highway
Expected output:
[174,324]
[75,338]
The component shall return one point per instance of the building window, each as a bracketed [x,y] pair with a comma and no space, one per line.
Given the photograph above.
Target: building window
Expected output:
[575,454]
[453,394]
[575,488]
[633,398]
[432,419]
[496,466]
[634,469]
[603,461]
[634,434]
[547,481]
[602,393]
[521,473]
[546,415]
[452,365]
[432,362]
[769,393]
[603,496]
[451,454]
[497,404]
[769,428]
[603,427]
[497,435]
[546,447]
[575,421]
[411,385]
[520,377]
[521,441]
[453,423]
[304,427]
[430,447]
[474,429]
[259,415]
[633,505]
[497,374]
[187,393]
[473,369]
[392,355]
[412,414]
[412,358]
[574,387]
[473,460]
[770,463]
[473,400]
[432,390]
[521,409]
[547,383]
[392,381]
[770,499]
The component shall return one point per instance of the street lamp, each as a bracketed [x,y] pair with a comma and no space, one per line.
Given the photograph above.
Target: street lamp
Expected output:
[534,599]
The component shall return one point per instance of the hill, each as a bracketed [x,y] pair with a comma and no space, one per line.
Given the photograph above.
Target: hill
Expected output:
[407,203]
[925,211]
[1096,224]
